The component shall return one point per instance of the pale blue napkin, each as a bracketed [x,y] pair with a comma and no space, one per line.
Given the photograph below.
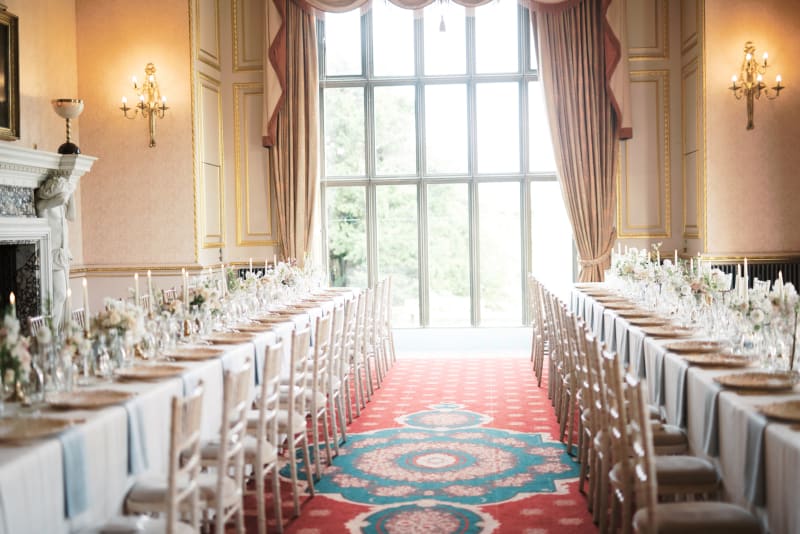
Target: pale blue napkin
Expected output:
[711,437]
[754,487]
[609,328]
[680,399]
[658,374]
[76,493]
[636,344]
[621,335]
[137,445]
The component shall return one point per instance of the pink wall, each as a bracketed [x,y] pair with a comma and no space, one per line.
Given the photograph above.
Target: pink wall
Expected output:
[753,201]
[138,202]
[48,70]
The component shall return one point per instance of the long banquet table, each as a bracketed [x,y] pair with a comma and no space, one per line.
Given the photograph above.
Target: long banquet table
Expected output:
[758,459]
[40,492]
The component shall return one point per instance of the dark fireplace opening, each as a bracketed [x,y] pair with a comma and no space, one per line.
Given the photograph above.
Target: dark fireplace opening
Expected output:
[20,273]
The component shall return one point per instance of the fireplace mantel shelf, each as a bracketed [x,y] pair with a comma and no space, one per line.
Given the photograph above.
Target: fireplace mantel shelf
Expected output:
[24,167]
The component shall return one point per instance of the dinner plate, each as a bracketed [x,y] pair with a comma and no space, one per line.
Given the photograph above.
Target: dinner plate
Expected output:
[254,328]
[759,380]
[666,331]
[634,313]
[647,321]
[148,372]
[784,411]
[88,399]
[194,353]
[272,319]
[710,359]
[28,428]
[229,338]
[695,345]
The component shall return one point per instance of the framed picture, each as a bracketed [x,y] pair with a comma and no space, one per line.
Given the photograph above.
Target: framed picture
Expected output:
[9,75]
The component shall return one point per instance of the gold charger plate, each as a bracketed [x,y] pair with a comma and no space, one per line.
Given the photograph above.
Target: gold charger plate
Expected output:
[711,359]
[229,338]
[148,372]
[28,428]
[195,353]
[695,346]
[647,321]
[758,380]
[784,411]
[255,328]
[272,319]
[89,399]
[666,331]
[633,313]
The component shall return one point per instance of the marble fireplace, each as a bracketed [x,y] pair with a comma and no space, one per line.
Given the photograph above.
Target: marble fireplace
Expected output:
[36,190]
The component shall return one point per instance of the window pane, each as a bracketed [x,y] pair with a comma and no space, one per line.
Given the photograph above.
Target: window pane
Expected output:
[496,48]
[446,129]
[500,254]
[344,132]
[445,39]
[498,127]
[533,48]
[540,144]
[347,236]
[448,254]
[395,130]
[393,38]
[343,43]
[397,249]
[551,238]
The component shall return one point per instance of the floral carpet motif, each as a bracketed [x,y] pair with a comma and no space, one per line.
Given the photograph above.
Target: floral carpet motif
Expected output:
[460,465]
[450,445]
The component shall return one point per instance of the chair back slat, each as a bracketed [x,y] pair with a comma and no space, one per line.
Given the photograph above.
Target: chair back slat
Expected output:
[184,458]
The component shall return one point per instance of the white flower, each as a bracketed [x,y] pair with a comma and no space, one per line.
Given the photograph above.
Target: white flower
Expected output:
[757,316]
[44,336]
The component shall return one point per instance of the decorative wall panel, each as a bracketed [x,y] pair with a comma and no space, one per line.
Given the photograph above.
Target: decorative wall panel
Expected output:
[643,207]
[648,30]
[208,45]
[691,105]
[253,213]
[248,34]
[689,24]
[212,175]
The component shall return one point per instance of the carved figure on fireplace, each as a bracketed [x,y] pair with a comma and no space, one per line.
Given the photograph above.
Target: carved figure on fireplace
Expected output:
[54,202]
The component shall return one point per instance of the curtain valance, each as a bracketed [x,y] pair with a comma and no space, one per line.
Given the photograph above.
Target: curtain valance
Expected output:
[615,49]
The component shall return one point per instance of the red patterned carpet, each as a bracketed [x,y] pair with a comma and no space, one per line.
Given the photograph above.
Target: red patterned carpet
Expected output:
[449,444]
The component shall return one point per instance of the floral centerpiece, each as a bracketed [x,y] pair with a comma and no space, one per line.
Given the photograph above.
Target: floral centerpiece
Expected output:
[119,317]
[15,355]
[206,298]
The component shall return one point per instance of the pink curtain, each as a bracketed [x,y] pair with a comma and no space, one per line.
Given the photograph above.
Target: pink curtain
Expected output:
[294,142]
[583,124]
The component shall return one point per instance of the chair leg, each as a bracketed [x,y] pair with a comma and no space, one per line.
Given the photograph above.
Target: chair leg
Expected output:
[293,472]
[260,508]
[342,423]
[276,498]
[327,436]
[333,405]
[315,443]
[307,459]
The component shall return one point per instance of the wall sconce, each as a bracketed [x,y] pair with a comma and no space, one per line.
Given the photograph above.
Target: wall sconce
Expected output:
[151,104]
[750,82]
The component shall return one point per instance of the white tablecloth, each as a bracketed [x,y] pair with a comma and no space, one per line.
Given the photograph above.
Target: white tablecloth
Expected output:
[32,495]
[689,397]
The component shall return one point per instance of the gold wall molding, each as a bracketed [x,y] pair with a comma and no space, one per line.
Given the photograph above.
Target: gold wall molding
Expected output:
[762,257]
[660,78]
[212,86]
[209,57]
[239,35]
[245,235]
[660,27]
[691,69]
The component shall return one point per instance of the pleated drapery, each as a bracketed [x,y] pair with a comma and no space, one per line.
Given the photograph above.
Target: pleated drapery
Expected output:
[294,148]
[583,125]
